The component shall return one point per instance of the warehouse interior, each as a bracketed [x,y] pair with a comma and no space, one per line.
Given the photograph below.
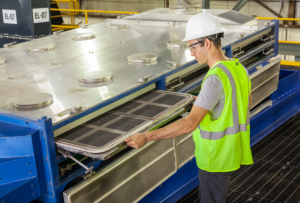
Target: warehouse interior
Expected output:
[78,77]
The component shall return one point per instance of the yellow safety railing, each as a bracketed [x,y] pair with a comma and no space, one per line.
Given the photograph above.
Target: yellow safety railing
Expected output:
[284,19]
[86,16]
[290,63]
[288,42]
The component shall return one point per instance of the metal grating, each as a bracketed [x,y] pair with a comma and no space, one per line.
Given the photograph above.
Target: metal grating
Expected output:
[126,124]
[99,138]
[127,107]
[149,111]
[275,175]
[76,132]
[169,99]
[103,119]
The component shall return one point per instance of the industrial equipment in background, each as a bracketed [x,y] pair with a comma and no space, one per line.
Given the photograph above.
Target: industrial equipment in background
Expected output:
[23,20]
[69,100]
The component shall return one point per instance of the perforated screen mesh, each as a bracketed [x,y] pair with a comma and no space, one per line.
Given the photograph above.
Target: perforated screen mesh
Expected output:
[169,99]
[108,130]
[149,111]
[148,96]
[103,119]
[99,138]
[76,132]
[126,124]
[127,107]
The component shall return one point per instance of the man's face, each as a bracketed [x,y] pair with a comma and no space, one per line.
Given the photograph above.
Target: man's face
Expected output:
[200,53]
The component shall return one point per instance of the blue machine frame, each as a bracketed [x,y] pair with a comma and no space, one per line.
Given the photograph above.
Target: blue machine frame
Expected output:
[28,146]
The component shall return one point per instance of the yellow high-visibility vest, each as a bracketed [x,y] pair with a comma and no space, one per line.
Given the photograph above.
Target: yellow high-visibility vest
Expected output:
[223,145]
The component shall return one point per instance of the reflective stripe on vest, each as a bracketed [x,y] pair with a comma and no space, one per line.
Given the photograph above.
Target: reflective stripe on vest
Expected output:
[236,126]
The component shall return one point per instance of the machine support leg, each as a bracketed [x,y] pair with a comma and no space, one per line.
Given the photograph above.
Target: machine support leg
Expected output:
[68,155]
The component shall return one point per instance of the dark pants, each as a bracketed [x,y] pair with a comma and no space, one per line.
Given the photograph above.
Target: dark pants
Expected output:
[213,187]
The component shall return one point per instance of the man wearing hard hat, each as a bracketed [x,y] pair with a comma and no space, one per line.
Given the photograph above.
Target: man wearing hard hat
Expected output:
[220,115]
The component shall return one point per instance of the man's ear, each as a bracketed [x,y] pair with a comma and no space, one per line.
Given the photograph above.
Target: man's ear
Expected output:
[207,43]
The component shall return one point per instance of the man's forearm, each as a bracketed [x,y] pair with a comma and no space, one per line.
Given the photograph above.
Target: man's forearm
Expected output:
[175,129]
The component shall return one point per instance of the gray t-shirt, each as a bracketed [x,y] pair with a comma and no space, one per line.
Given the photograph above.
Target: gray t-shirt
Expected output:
[212,96]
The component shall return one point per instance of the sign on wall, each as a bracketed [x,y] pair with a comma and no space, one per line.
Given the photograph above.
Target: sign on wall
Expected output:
[9,16]
[40,15]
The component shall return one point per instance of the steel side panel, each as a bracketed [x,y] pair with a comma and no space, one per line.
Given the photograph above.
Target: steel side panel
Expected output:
[266,75]
[18,146]
[183,137]
[251,39]
[144,182]
[265,90]
[185,151]
[18,169]
[27,192]
[106,182]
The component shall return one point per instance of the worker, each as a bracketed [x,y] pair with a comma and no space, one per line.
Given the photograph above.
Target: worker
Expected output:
[219,118]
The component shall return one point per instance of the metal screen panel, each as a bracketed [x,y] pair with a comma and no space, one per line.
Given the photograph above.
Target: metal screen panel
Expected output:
[101,134]
[126,124]
[169,99]
[149,111]
[127,107]
[148,96]
[103,119]
[76,132]
[99,138]
[154,104]
[109,130]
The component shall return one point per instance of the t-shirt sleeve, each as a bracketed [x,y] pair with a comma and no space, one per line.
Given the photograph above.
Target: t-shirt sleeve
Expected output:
[210,93]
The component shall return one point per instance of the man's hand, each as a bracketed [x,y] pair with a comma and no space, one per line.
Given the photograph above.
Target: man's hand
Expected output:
[136,141]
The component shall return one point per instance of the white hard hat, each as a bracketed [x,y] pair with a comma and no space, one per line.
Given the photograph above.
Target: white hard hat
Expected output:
[202,25]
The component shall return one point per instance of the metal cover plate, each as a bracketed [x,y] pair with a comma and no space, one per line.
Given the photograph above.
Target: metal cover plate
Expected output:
[42,48]
[236,17]
[146,58]
[2,60]
[176,44]
[96,78]
[117,26]
[83,36]
[32,101]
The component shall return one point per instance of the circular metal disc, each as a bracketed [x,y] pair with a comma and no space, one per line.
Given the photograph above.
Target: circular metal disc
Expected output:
[177,44]
[33,101]
[117,27]
[83,36]
[41,48]
[96,78]
[2,60]
[147,58]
